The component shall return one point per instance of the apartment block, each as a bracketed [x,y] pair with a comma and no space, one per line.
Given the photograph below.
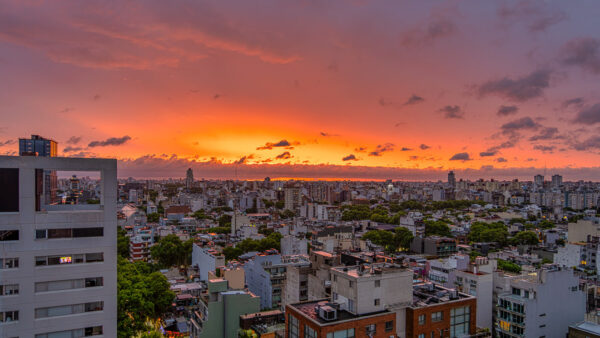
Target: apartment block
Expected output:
[57,256]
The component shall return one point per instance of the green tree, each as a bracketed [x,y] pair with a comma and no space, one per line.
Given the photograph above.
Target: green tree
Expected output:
[153,217]
[232,253]
[438,228]
[525,238]
[170,251]
[287,214]
[508,266]
[122,243]
[200,214]
[488,232]
[224,220]
[382,238]
[402,238]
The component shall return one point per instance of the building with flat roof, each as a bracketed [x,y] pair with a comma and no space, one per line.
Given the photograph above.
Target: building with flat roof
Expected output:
[59,261]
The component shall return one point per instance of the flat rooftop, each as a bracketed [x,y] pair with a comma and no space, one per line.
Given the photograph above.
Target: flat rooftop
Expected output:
[367,270]
[428,294]
[309,309]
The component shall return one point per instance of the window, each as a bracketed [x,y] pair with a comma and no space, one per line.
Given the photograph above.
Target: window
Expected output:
[459,321]
[293,326]
[66,310]
[516,291]
[389,326]
[421,319]
[335,296]
[69,259]
[9,289]
[350,283]
[59,233]
[437,316]
[371,329]
[377,283]
[350,305]
[9,263]
[9,194]
[309,332]
[422,335]
[376,302]
[86,332]
[9,316]
[88,232]
[69,233]
[68,284]
[41,234]
[341,334]
[9,235]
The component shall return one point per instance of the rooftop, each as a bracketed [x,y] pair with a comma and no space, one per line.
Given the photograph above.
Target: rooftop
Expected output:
[367,270]
[427,293]
[310,309]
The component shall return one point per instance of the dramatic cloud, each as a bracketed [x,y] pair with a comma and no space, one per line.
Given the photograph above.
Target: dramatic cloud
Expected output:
[423,146]
[74,140]
[548,133]
[592,143]
[382,148]
[426,33]
[244,159]
[350,157]
[544,149]
[501,160]
[405,149]
[113,141]
[282,143]
[414,99]
[360,149]
[520,89]
[539,15]
[577,102]
[452,112]
[460,157]
[7,143]
[524,123]
[488,153]
[284,156]
[70,149]
[324,134]
[507,110]
[590,115]
[584,52]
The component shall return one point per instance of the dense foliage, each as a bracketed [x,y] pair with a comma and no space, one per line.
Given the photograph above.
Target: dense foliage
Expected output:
[143,293]
[437,228]
[122,243]
[391,241]
[488,232]
[170,251]
[272,241]
[508,266]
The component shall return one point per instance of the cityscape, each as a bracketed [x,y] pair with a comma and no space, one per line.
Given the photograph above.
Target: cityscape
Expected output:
[356,169]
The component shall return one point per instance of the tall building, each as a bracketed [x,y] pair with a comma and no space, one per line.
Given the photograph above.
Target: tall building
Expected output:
[452,179]
[189,178]
[538,180]
[58,263]
[556,181]
[37,144]
[292,198]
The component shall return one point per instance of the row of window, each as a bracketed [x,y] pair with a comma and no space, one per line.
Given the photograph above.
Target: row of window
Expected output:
[69,259]
[86,332]
[9,289]
[9,235]
[69,284]
[65,310]
[435,317]
[69,233]
[9,263]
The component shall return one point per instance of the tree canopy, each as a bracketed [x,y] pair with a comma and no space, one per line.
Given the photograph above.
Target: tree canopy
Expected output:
[170,250]
[488,232]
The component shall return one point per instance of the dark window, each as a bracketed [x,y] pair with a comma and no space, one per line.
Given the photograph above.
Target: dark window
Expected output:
[94,257]
[39,234]
[59,233]
[389,326]
[88,232]
[93,282]
[9,194]
[41,260]
[9,235]
[93,331]
[94,306]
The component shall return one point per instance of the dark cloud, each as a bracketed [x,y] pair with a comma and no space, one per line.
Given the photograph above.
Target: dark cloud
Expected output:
[544,149]
[325,134]
[539,15]
[488,153]
[501,160]
[413,157]
[425,34]
[284,156]
[384,102]
[382,148]
[590,115]
[7,143]
[74,140]
[244,159]
[113,141]
[360,149]
[577,102]
[350,157]
[524,123]
[452,112]
[405,149]
[282,143]
[460,157]
[548,133]
[521,89]
[423,146]
[592,143]
[507,110]
[414,99]
[583,52]
[70,149]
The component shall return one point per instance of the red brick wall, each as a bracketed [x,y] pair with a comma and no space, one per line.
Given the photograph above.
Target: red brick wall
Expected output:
[358,325]
[413,329]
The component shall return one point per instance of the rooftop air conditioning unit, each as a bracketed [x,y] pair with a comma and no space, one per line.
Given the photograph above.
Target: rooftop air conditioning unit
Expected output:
[327,313]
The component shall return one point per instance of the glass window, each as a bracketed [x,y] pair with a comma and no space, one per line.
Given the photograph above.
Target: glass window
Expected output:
[389,326]
[9,289]
[460,320]
[40,234]
[421,319]
[309,332]
[437,316]
[88,232]
[371,329]
[94,257]
[9,194]
[41,260]
[59,233]
[293,326]
[9,263]
[376,302]
[377,283]
[9,235]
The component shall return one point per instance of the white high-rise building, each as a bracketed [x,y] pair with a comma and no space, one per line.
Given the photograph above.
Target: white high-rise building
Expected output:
[58,270]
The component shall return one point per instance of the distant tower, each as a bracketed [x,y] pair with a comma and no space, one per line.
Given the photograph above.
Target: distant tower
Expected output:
[452,179]
[538,180]
[189,178]
[556,180]
[39,146]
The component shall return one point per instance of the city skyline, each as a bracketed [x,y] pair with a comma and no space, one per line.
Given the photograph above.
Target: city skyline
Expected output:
[405,91]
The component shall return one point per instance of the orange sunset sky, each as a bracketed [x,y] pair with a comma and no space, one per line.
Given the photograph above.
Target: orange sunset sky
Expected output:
[342,89]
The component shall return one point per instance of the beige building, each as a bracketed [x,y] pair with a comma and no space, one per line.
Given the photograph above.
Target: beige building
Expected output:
[578,232]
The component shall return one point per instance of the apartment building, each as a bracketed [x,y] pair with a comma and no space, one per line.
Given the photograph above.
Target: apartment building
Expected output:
[319,279]
[539,304]
[57,258]
[206,259]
